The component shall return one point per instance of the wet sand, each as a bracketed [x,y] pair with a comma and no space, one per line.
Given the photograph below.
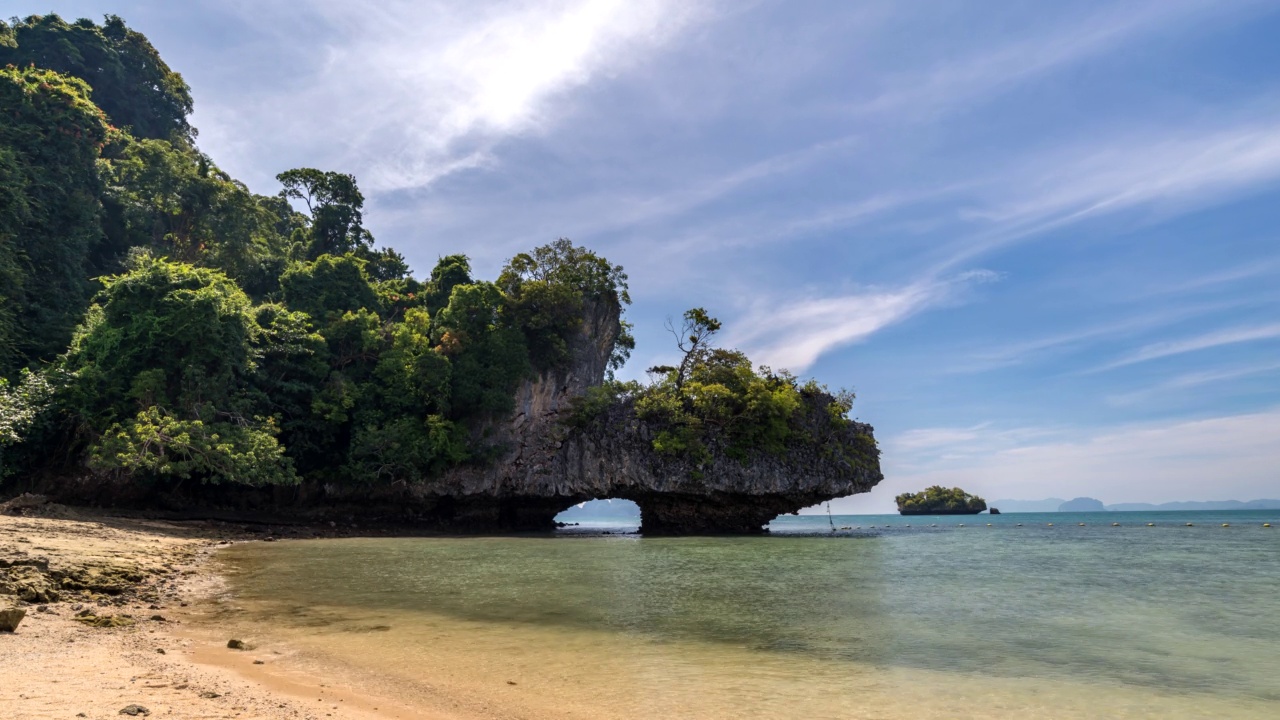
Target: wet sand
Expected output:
[146,580]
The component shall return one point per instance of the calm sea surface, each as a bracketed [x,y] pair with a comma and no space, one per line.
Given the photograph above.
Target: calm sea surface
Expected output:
[878,621]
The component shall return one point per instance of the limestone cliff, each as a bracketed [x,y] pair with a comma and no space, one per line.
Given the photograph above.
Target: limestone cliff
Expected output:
[543,466]
[546,466]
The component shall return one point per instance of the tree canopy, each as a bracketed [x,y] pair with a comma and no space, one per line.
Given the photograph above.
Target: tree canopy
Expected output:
[716,400]
[50,211]
[130,82]
[937,500]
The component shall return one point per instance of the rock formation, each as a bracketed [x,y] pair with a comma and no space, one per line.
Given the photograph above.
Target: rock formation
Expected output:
[549,467]
[10,618]
[543,466]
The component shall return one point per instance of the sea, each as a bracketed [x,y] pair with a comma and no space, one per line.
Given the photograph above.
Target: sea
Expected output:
[1056,615]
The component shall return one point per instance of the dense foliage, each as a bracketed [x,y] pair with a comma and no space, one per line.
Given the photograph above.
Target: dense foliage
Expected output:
[938,500]
[233,337]
[130,82]
[715,396]
[50,211]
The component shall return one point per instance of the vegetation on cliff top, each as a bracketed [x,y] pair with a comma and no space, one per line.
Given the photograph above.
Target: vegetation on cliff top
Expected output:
[160,322]
[938,500]
[716,397]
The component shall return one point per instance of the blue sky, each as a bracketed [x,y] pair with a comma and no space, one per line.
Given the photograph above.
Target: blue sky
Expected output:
[1041,241]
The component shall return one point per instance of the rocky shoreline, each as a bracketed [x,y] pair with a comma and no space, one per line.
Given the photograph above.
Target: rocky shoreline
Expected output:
[108,607]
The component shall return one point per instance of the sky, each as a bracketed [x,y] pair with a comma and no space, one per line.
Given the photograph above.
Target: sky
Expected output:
[1040,241]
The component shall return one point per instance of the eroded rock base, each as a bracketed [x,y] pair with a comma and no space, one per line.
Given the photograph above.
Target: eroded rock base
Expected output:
[721,514]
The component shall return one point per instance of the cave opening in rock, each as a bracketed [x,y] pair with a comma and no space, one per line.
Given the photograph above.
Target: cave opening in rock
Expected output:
[602,514]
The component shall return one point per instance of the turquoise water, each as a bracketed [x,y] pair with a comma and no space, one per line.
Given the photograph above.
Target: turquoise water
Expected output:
[932,620]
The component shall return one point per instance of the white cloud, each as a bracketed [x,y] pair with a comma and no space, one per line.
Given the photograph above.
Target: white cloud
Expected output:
[932,438]
[1205,341]
[794,335]
[405,91]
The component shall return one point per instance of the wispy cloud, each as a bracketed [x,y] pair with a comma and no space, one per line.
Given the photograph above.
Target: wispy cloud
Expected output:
[1192,380]
[999,68]
[1218,338]
[994,356]
[1173,175]
[921,95]
[794,335]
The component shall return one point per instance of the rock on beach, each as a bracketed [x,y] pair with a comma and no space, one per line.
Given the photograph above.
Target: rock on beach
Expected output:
[10,617]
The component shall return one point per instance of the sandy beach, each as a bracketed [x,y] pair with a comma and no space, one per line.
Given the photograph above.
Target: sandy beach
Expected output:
[111,622]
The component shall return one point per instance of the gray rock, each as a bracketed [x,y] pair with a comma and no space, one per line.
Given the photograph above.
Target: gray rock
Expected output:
[134,710]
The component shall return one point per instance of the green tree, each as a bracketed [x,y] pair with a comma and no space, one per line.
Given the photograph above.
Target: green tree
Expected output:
[335,203]
[175,201]
[715,397]
[547,291]
[450,272]
[130,82]
[489,358]
[50,139]
[163,368]
[328,287]
[937,500]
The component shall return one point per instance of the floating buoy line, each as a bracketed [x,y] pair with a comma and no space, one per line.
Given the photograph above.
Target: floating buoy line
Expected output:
[831,522]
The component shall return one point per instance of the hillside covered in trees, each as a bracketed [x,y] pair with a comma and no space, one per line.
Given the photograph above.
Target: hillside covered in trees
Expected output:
[161,324]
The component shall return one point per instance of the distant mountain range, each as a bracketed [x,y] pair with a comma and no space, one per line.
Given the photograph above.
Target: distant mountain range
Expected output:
[1094,505]
[1030,506]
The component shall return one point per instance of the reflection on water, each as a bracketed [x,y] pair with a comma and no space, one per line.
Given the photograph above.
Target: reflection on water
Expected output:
[1135,621]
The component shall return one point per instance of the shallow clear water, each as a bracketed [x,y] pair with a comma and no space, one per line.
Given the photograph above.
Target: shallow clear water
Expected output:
[891,621]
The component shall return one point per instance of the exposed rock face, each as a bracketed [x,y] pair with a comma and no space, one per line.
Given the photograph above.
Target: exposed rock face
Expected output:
[548,467]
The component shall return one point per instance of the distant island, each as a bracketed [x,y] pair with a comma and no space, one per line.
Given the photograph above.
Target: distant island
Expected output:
[938,500]
[1087,504]
[1082,504]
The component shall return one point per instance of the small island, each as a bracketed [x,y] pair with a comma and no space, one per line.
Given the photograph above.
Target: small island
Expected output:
[938,500]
